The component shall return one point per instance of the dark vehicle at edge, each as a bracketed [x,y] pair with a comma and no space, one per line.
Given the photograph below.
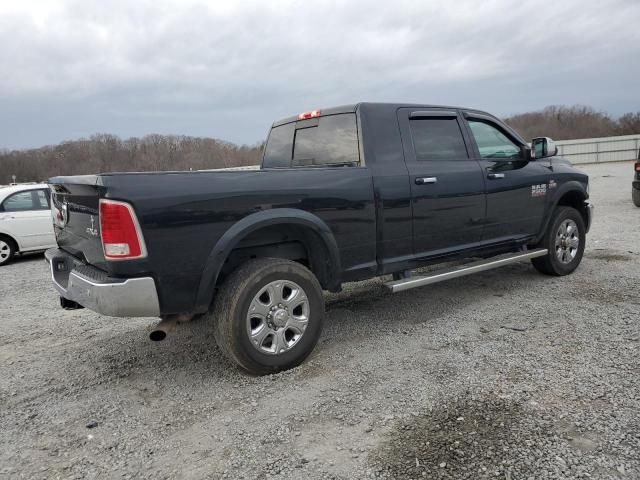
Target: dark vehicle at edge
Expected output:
[343,194]
[635,184]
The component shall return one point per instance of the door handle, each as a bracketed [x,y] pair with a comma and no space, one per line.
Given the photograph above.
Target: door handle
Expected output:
[426,180]
[494,176]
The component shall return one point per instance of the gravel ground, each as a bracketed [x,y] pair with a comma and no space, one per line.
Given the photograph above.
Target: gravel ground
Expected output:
[508,375]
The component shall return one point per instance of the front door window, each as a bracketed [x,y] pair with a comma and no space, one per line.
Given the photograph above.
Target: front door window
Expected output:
[492,143]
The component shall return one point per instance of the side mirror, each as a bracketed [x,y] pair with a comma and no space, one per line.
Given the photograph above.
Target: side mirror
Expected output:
[543,147]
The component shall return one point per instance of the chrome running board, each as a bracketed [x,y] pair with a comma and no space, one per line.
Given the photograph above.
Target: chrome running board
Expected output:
[462,270]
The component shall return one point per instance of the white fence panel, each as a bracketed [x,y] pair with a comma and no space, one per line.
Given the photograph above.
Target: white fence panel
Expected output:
[597,150]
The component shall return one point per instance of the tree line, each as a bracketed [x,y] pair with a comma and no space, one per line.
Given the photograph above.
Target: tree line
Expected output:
[109,153]
[104,152]
[569,123]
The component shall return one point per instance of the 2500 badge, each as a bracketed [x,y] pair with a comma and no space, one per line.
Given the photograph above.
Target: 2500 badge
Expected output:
[539,190]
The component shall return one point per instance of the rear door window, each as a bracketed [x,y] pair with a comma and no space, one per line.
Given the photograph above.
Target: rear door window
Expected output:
[437,139]
[26,201]
[329,140]
[19,202]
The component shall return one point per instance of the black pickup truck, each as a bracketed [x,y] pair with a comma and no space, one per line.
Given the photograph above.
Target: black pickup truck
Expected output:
[343,194]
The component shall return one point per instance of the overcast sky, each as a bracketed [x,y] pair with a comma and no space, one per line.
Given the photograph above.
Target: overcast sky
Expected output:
[228,69]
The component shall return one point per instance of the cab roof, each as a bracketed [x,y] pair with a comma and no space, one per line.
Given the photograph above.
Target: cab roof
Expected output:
[351,108]
[385,106]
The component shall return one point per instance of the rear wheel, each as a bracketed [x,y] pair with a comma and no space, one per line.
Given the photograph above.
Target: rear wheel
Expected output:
[268,315]
[565,240]
[7,250]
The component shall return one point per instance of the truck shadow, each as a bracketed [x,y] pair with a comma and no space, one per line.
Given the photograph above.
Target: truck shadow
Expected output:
[125,368]
[440,299]
[360,312]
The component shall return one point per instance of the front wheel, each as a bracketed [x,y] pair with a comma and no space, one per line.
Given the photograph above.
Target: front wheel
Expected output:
[565,239]
[635,196]
[268,315]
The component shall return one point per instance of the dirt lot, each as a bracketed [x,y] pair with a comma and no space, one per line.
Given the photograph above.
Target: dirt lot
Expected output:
[509,375]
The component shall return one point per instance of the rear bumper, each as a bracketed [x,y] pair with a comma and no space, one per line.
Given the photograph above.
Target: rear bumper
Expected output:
[636,184]
[95,290]
[589,211]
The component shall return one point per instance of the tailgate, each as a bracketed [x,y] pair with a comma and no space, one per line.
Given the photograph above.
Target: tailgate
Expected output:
[74,208]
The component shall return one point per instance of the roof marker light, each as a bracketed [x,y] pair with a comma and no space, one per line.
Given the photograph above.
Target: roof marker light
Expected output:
[307,115]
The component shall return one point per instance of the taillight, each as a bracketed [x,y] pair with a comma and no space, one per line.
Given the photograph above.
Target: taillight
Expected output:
[120,231]
[307,115]
[637,166]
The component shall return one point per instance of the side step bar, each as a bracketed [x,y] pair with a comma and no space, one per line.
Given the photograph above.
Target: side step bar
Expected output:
[462,270]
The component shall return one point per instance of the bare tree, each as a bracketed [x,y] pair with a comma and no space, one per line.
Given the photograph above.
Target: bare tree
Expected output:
[629,123]
[105,152]
[564,123]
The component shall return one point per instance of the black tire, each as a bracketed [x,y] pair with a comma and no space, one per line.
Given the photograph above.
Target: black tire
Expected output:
[7,250]
[231,308]
[635,195]
[550,264]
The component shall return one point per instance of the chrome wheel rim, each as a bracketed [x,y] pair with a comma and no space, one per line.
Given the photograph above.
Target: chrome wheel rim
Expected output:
[567,241]
[5,251]
[278,317]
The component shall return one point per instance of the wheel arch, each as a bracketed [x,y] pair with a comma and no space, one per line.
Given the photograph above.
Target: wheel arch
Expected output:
[571,194]
[315,235]
[12,239]
[13,245]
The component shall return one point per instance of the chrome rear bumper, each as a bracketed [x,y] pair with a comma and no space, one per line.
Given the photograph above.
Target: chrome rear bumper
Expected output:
[95,290]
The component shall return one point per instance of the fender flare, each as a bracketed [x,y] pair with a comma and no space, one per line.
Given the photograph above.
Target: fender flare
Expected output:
[570,186]
[251,223]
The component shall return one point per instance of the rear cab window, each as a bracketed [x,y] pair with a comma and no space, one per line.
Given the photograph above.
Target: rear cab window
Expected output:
[330,140]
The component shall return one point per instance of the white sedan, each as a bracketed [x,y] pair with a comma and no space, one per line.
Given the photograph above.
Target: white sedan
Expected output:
[25,220]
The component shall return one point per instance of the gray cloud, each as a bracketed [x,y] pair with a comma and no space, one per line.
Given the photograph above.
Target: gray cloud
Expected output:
[227,69]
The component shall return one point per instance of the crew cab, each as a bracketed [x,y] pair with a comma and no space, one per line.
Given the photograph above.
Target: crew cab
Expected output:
[25,220]
[343,194]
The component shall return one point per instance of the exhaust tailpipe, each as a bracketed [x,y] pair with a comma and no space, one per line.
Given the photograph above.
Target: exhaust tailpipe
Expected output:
[69,304]
[167,325]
